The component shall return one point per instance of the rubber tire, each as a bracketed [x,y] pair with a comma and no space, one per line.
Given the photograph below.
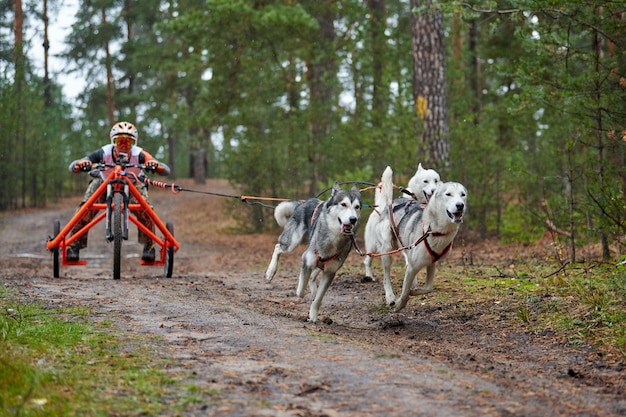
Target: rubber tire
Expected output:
[56,265]
[169,254]
[118,199]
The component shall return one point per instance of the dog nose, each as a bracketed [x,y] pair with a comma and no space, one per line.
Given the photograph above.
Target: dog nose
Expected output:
[460,206]
[353,220]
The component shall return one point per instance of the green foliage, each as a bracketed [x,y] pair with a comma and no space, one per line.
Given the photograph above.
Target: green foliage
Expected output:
[515,229]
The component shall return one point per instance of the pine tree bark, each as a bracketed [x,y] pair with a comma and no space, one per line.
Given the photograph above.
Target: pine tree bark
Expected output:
[321,73]
[429,84]
[377,34]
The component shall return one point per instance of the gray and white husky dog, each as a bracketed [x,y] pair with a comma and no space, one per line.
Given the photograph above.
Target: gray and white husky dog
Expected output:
[330,226]
[420,188]
[425,232]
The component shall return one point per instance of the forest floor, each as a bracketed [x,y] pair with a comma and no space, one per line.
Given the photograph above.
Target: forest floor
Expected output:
[219,323]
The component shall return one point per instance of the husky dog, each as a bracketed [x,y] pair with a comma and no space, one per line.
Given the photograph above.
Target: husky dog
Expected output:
[420,188]
[426,233]
[423,184]
[330,226]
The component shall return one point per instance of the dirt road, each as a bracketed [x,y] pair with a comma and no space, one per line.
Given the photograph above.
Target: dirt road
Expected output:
[247,341]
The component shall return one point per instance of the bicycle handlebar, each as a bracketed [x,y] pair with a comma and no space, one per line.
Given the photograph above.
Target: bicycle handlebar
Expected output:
[102,165]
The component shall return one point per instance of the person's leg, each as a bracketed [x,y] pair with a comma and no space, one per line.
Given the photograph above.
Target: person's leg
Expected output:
[81,242]
[149,252]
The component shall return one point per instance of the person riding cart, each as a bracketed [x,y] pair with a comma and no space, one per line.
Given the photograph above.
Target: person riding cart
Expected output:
[123,147]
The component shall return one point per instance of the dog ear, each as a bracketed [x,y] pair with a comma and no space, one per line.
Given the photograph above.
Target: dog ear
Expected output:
[336,187]
[419,167]
[355,188]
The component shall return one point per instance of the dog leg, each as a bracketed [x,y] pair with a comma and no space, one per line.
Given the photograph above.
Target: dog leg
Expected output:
[271,269]
[303,282]
[409,276]
[325,281]
[313,281]
[390,297]
[367,261]
[430,281]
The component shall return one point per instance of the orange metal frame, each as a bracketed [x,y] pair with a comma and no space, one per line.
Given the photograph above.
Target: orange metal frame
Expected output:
[61,241]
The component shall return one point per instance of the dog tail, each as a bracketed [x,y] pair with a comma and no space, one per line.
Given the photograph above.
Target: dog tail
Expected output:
[386,189]
[283,212]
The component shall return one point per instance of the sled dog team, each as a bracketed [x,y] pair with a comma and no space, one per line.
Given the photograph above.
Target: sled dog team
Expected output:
[421,226]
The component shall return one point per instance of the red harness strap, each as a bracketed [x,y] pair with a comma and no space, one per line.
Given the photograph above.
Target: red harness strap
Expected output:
[391,212]
[436,256]
[321,262]
[315,212]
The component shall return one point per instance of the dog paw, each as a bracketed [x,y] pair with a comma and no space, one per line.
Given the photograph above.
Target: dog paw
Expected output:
[420,291]
[400,304]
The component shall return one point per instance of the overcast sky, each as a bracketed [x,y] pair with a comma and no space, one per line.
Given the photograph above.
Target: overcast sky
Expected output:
[59,27]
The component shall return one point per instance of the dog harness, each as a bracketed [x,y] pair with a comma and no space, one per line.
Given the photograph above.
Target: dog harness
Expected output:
[434,255]
[411,206]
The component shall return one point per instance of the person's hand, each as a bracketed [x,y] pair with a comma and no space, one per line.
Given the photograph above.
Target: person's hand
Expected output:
[152,165]
[83,165]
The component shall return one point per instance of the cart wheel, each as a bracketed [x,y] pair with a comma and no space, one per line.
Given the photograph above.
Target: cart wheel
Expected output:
[169,254]
[117,234]
[55,251]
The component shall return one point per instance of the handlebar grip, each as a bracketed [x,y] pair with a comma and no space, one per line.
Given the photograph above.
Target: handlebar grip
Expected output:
[84,166]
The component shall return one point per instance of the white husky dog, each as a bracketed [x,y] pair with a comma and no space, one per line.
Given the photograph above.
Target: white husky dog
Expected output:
[420,188]
[425,233]
[423,184]
[330,226]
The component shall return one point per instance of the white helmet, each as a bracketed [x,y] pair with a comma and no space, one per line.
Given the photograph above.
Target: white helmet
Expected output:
[124,128]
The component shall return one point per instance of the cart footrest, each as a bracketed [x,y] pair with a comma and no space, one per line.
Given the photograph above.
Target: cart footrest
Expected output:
[155,263]
[71,263]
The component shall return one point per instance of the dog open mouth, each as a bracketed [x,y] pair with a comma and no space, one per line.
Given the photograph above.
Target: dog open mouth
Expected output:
[427,196]
[346,229]
[456,217]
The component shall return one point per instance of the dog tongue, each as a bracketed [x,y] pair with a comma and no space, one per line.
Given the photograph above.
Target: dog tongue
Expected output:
[456,216]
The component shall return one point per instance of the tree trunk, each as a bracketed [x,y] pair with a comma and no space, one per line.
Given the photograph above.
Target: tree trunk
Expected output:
[198,165]
[110,80]
[20,82]
[321,75]
[429,83]
[599,132]
[377,34]
[46,47]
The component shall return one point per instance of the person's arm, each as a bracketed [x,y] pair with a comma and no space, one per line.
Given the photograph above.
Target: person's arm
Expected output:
[84,164]
[159,167]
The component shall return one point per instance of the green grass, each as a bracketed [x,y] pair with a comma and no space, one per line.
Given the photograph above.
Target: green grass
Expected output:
[59,362]
[586,304]
[581,303]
